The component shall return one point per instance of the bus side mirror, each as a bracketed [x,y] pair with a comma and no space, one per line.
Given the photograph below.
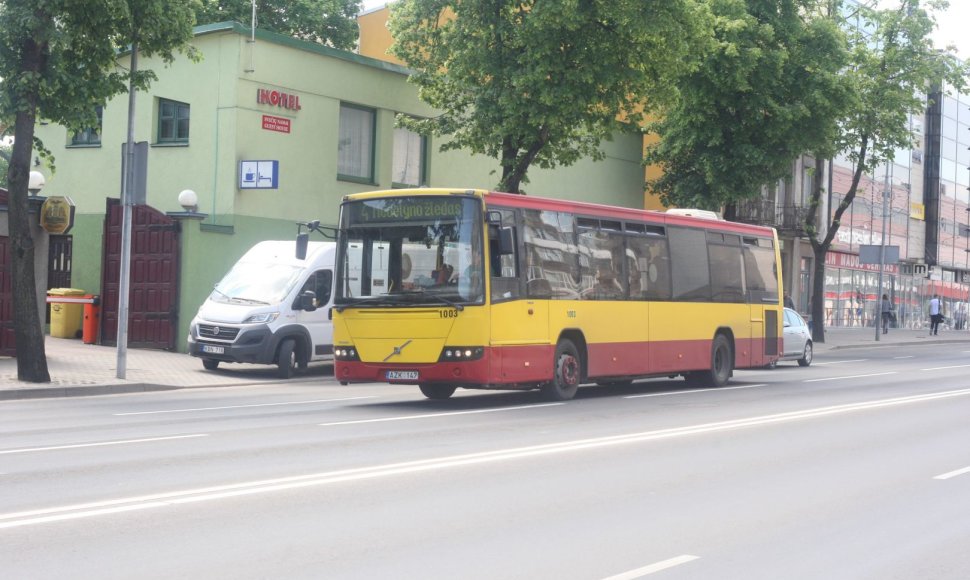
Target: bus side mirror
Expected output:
[506,241]
[302,243]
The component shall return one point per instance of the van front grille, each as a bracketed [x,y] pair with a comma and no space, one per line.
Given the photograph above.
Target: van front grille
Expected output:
[218,332]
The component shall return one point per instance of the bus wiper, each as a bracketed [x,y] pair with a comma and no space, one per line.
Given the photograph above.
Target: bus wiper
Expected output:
[437,297]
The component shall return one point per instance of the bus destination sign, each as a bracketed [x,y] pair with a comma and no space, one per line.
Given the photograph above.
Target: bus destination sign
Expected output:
[407,209]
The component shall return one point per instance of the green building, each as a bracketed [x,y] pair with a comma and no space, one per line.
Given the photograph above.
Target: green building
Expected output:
[267,131]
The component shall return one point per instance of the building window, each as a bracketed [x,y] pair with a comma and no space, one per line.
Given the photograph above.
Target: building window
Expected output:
[409,158]
[355,145]
[173,122]
[91,135]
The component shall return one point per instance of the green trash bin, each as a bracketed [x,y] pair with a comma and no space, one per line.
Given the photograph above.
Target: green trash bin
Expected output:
[66,318]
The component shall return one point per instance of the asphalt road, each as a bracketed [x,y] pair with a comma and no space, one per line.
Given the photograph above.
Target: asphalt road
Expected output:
[857,467]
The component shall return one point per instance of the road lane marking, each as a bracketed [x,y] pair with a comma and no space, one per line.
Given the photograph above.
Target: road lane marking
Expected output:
[436,415]
[953,473]
[946,368]
[653,568]
[848,377]
[242,406]
[839,362]
[901,357]
[211,493]
[101,444]
[664,394]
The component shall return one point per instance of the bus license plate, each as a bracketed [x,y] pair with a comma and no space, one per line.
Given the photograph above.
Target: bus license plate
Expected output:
[402,375]
[213,349]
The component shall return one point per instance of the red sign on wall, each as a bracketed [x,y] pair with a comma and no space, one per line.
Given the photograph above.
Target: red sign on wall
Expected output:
[279,124]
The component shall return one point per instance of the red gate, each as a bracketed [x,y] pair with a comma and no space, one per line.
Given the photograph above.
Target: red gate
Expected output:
[153,302]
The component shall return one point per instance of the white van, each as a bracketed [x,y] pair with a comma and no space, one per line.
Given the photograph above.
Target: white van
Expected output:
[271,308]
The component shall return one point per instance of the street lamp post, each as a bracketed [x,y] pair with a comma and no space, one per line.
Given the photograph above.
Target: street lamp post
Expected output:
[882,251]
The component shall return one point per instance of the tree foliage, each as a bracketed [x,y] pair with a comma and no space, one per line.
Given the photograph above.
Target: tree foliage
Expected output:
[893,64]
[543,83]
[769,91]
[58,60]
[330,22]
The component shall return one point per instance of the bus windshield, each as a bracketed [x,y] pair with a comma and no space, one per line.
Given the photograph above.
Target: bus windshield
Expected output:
[403,251]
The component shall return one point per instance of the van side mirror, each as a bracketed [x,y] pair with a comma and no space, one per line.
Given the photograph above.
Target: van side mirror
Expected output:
[308,300]
[302,243]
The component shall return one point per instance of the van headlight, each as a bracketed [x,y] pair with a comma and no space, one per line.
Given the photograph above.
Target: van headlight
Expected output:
[261,318]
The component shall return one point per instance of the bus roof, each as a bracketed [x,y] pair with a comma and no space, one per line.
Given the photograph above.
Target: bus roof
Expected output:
[578,207]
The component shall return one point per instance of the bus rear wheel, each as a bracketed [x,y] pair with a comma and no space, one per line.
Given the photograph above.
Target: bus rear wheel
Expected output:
[566,373]
[437,392]
[722,365]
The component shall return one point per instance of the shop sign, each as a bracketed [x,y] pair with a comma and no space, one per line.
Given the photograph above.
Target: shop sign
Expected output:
[852,262]
[57,215]
[278,124]
[279,99]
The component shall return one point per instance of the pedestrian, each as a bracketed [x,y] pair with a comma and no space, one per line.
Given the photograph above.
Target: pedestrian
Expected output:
[886,307]
[936,314]
[789,303]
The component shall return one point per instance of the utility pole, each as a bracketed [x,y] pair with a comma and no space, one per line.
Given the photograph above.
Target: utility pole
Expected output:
[127,193]
[882,249]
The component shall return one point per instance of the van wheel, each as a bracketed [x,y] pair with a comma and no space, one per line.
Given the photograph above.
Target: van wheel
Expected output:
[565,375]
[722,365]
[437,392]
[210,364]
[286,362]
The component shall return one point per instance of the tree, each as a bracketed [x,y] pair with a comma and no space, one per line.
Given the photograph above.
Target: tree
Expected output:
[893,64]
[58,59]
[543,83]
[770,91]
[330,22]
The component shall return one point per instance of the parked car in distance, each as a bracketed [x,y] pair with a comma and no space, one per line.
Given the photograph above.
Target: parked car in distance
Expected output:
[797,343]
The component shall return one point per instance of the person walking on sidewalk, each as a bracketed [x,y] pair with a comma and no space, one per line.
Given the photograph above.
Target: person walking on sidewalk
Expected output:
[886,306]
[936,314]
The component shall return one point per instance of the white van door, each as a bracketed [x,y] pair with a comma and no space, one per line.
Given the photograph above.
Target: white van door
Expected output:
[319,322]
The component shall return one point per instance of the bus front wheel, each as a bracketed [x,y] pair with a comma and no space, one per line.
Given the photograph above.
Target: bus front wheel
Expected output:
[566,373]
[722,365]
[437,391]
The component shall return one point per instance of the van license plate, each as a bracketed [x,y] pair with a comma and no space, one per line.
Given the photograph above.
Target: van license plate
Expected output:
[213,349]
[402,375]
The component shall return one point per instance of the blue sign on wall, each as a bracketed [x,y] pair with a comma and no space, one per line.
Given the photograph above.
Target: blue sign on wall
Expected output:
[259,174]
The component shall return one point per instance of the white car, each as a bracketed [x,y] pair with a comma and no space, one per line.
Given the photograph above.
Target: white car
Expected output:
[797,339]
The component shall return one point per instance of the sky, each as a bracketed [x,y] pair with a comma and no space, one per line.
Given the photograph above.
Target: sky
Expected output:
[952,24]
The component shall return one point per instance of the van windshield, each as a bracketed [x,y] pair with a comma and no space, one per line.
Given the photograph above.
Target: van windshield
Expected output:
[256,283]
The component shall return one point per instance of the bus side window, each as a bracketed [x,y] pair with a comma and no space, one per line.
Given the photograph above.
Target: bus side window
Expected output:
[503,268]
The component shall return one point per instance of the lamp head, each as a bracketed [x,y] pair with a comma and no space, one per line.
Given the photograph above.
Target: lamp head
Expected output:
[36,182]
[189,200]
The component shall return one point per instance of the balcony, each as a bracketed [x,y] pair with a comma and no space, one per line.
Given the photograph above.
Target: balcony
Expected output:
[788,219]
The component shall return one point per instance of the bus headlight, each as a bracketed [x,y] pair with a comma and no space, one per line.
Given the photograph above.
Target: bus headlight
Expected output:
[461,353]
[345,353]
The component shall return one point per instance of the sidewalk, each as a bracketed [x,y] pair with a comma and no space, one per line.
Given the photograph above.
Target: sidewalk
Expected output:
[85,369]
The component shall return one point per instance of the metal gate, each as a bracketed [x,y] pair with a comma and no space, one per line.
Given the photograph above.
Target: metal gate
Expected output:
[153,298]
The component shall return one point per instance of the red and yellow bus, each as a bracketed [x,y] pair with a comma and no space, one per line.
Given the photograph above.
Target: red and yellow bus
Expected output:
[448,288]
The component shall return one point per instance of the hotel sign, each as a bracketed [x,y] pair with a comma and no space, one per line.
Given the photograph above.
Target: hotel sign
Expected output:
[279,99]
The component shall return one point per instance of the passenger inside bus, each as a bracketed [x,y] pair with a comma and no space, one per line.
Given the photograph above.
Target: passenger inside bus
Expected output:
[606,288]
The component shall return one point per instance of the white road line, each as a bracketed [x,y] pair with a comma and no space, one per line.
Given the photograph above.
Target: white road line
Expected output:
[652,568]
[436,415]
[839,362]
[848,377]
[101,444]
[945,368]
[242,406]
[900,357]
[91,509]
[665,394]
[953,473]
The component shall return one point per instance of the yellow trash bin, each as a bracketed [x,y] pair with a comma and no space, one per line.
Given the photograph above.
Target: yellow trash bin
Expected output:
[66,319]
